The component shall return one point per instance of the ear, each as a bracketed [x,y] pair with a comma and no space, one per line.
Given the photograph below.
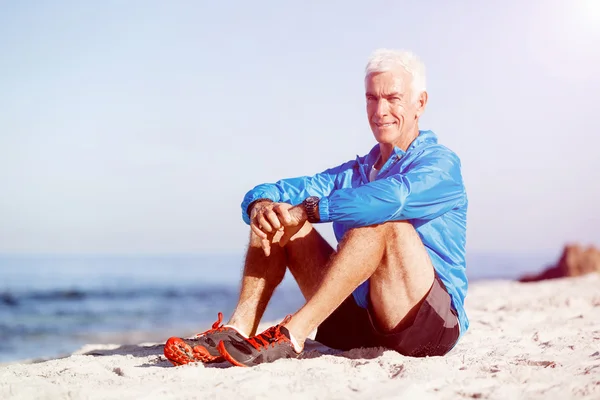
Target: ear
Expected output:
[421,103]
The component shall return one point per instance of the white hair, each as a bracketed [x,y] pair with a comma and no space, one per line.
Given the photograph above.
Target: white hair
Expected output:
[383,60]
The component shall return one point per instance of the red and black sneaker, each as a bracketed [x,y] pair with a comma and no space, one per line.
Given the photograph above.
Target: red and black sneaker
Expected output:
[201,348]
[271,345]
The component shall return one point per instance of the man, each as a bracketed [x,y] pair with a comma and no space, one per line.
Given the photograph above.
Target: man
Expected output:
[397,278]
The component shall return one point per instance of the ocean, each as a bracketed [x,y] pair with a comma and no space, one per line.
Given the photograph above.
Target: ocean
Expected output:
[51,305]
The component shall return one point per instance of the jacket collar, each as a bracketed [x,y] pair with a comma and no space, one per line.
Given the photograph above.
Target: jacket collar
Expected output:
[425,137]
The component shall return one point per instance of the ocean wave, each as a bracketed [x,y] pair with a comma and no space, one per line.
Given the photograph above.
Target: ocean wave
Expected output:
[12,299]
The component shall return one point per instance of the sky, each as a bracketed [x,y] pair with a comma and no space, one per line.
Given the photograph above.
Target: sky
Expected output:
[138,126]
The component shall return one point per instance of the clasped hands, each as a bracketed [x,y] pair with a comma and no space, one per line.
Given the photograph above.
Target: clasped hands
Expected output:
[268,218]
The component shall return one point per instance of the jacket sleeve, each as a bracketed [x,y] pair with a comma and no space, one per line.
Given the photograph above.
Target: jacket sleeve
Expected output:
[294,190]
[432,186]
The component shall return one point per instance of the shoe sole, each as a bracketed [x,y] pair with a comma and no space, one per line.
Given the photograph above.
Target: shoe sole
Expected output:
[179,353]
[227,356]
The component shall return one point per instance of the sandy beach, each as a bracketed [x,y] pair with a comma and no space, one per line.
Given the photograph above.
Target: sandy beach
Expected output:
[526,341]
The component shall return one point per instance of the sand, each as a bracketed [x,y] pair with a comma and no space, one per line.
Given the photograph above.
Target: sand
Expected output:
[526,341]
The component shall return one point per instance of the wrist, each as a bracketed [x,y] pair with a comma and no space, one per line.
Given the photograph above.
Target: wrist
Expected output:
[299,212]
[255,202]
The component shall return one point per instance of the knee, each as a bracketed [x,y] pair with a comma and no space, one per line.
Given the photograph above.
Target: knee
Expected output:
[397,227]
[391,228]
[256,242]
[295,241]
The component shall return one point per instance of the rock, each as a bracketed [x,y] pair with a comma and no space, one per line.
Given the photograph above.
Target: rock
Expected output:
[574,261]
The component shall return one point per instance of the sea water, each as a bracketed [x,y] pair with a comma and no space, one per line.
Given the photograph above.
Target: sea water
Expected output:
[52,305]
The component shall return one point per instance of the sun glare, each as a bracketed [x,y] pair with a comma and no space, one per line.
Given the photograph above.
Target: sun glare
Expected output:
[590,11]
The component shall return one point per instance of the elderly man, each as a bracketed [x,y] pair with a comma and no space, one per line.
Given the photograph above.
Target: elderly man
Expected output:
[397,278]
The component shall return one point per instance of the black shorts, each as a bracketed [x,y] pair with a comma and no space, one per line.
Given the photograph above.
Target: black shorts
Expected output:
[434,332]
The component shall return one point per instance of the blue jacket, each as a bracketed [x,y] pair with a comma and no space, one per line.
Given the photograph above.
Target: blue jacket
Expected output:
[423,185]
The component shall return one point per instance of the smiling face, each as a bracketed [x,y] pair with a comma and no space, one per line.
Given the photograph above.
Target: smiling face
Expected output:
[392,110]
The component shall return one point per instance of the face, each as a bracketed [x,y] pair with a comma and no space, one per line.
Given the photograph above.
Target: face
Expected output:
[393,115]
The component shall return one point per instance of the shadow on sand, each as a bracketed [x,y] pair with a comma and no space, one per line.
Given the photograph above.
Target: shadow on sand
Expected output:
[312,349]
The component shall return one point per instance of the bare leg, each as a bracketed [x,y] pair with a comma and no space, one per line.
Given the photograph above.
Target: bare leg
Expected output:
[260,278]
[306,254]
[400,271]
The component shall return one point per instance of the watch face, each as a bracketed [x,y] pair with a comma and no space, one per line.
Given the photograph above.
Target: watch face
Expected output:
[310,204]
[312,200]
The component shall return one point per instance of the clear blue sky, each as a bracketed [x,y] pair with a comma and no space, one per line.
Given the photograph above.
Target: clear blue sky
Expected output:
[138,126]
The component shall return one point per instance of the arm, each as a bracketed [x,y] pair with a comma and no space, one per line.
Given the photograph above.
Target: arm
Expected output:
[294,190]
[432,187]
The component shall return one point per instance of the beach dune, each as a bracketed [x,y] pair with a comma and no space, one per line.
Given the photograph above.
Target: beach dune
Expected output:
[526,341]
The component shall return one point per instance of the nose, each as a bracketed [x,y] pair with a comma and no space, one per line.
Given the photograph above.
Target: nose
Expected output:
[381,108]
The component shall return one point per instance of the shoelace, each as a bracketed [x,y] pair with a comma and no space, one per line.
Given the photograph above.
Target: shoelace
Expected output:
[271,336]
[216,327]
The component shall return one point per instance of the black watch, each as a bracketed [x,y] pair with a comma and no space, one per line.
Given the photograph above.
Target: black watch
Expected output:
[311,205]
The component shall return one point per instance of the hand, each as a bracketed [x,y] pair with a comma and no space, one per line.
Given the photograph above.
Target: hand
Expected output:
[265,223]
[292,218]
